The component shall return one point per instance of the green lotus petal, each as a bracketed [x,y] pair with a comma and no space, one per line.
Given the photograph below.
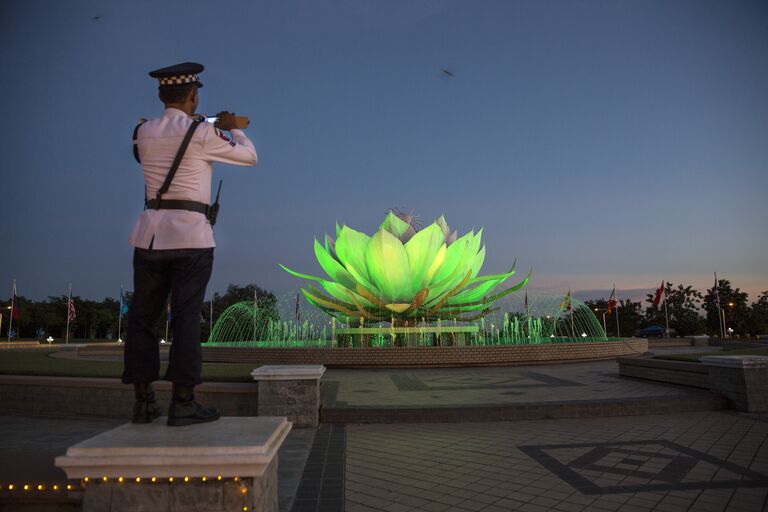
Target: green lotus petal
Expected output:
[464,309]
[309,297]
[464,254]
[388,266]
[350,249]
[477,263]
[440,221]
[437,262]
[479,291]
[475,242]
[452,258]
[512,271]
[336,290]
[394,225]
[333,268]
[437,293]
[317,301]
[338,230]
[509,290]
[312,303]
[302,276]
[397,308]
[422,250]
[344,294]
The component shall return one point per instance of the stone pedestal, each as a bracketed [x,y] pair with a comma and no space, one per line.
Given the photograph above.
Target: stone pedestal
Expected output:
[229,465]
[699,341]
[290,390]
[742,379]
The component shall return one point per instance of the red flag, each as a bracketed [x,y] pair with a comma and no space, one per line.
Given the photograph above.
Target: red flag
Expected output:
[659,299]
[612,301]
[14,304]
[71,312]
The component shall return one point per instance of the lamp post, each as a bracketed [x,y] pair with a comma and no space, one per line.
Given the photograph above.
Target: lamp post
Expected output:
[730,318]
[1,320]
[605,329]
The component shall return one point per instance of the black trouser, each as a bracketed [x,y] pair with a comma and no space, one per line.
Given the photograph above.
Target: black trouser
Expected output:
[183,273]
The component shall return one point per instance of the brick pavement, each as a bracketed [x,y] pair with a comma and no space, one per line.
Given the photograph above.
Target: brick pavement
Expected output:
[708,461]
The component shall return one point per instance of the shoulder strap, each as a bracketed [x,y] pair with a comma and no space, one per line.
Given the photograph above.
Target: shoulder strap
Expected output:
[136,139]
[179,156]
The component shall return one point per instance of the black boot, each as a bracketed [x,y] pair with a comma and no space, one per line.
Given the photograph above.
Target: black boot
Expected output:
[145,409]
[184,410]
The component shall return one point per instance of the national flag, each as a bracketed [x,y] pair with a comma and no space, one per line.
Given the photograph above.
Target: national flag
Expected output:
[123,302]
[566,305]
[71,312]
[14,304]
[659,299]
[612,302]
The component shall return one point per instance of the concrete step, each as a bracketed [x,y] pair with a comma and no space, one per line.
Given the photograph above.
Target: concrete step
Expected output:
[703,401]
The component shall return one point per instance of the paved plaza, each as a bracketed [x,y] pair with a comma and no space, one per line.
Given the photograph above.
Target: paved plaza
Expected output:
[445,387]
[703,460]
[710,461]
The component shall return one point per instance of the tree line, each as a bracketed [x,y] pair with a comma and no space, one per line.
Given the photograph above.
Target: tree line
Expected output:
[99,319]
[690,312]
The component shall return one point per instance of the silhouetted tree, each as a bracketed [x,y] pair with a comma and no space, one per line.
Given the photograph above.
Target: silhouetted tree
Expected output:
[683,305]
[733,302]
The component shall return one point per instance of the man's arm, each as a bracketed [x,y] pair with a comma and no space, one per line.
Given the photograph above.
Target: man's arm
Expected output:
[217,147]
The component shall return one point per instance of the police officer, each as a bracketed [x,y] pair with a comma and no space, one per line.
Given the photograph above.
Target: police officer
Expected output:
[173,241]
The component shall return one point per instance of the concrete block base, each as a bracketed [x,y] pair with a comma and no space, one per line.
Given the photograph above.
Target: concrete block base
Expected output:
[229,465]
[292,391]
[742,379]
[227,495]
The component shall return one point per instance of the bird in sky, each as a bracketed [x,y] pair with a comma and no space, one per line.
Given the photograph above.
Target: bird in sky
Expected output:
[448,73]
[96,18]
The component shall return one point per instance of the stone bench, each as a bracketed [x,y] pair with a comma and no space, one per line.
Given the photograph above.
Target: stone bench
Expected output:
[290,390]
[742,379]
[229,465]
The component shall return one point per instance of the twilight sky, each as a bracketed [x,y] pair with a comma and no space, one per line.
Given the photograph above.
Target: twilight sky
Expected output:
[596,141]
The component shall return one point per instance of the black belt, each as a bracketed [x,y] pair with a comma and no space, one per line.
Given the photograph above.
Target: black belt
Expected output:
[180,204]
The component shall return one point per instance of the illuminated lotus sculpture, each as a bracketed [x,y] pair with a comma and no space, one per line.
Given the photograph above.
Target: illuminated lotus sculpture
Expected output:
[400,273]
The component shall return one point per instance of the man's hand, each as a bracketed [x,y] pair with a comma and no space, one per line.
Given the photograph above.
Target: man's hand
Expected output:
[227,121]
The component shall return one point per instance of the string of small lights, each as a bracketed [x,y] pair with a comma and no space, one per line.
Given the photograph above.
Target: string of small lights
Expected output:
[86,481]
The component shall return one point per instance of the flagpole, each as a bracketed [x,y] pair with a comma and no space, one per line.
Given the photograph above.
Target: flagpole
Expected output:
[618,333]
[120,314]
[719,314]
[210,319]
[666,314]
[298,313]
[167,310]
[255,309]
[69,302]
[13,304]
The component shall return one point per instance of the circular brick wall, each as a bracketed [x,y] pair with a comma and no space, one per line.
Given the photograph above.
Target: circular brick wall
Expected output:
[429,357]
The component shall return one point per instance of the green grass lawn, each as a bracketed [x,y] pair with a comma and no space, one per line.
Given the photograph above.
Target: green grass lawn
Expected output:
[39,363]
[694,358]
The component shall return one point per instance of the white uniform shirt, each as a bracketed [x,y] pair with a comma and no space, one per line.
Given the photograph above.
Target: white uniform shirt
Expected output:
[158,143]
